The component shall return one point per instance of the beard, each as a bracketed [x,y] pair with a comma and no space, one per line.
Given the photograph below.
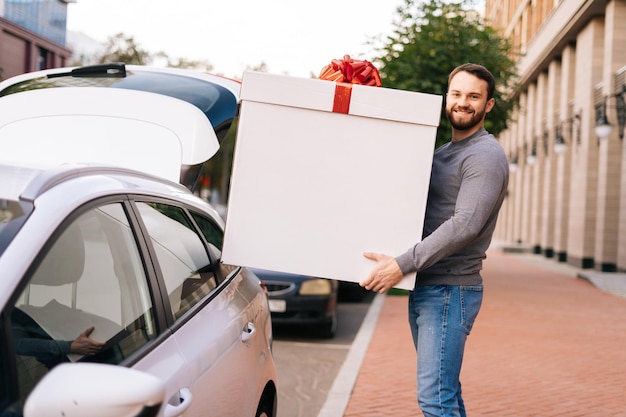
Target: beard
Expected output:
[465,124]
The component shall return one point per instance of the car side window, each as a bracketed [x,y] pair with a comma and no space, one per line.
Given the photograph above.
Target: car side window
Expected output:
[211,232]
[182,256]
[214,235]
[88,299]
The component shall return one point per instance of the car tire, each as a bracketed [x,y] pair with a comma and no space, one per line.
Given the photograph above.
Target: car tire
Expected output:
[352,292]
[263,411]
[267,404]
[329,329]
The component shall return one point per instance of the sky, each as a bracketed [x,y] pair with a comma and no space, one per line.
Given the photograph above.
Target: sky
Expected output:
[291,37]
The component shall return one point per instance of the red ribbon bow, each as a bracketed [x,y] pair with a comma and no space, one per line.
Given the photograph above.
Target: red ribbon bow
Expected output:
[348,70]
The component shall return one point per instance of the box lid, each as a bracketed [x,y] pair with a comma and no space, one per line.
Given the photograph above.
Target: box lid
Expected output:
[367,101]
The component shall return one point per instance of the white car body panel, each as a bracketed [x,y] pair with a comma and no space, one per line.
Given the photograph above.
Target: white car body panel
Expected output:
[215,361]
[148,132]
[208,340]
[181,361]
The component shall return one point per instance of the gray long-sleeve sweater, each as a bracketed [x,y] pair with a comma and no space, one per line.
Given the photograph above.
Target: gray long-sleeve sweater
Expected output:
[468,184]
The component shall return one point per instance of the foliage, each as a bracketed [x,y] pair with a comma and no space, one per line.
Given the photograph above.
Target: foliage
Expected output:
[261,67]
[431,38]
[199,65]
[397,291]
[122,48]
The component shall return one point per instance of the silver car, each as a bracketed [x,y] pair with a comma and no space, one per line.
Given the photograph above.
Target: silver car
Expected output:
[113,299]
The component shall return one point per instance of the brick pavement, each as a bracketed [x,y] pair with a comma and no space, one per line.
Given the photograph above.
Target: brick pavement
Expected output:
[545,344]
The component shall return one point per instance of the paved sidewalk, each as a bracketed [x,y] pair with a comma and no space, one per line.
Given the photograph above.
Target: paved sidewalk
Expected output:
[545,344]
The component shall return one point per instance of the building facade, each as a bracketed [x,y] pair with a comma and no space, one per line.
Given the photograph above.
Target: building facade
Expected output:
[567,192]
[32,35]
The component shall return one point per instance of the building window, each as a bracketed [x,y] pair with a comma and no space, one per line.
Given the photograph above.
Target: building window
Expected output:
[42,59]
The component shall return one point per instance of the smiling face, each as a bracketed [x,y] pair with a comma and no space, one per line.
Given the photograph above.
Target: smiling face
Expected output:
[467,104]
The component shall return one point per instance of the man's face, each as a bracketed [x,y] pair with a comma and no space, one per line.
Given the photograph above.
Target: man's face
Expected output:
[467,101]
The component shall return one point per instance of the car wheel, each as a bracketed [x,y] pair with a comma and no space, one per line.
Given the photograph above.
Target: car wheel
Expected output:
[329,329]
[267,405]
[352,292]
[263,412]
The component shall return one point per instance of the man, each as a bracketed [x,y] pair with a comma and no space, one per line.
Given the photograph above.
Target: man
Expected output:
[468,183]
[32,340]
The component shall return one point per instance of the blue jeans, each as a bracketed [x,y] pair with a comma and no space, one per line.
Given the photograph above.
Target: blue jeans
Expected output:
[441,317]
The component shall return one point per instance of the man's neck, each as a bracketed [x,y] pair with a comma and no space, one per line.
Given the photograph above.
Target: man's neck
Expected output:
[459,135]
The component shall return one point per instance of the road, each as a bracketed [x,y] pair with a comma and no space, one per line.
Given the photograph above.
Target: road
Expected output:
[307,366]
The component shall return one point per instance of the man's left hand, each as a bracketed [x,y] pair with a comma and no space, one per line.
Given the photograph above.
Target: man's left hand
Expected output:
[385,274]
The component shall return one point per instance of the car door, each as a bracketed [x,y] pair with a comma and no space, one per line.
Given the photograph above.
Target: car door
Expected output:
[212,321]
[89,282]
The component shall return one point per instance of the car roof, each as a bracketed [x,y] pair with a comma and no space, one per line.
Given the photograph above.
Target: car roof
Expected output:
[57,192]
[113,68]
[15,179]
[148,132]
[216,96]
[23,183]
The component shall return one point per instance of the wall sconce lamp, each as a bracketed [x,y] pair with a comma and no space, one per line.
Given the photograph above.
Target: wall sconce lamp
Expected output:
[559,143]
[560,147]
[603,127]
[513,164]
[531,157]
[620,107]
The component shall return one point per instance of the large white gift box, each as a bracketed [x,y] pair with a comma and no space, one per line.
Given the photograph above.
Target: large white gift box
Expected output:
[324,172]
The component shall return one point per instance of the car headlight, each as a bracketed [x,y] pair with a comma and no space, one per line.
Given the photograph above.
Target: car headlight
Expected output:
[317,286]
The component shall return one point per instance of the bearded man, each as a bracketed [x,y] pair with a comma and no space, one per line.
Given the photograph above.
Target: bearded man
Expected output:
[468,183]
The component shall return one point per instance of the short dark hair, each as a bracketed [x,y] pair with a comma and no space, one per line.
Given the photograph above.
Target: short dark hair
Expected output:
[478,71]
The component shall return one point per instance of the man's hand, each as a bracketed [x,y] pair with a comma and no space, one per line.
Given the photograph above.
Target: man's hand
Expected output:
[385,274]
[83,345]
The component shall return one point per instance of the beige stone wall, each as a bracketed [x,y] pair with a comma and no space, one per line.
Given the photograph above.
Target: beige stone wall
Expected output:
[548,159]
[574,204]
[610,153]
[569,126]
[584,169]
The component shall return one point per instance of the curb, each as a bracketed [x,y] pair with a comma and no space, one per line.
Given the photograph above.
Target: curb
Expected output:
[339,394]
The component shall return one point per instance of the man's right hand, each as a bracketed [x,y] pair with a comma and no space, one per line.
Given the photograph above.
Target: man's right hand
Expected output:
[83,345]
[385,274]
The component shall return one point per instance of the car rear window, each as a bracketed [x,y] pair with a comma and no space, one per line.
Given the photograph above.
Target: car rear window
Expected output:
[215,101]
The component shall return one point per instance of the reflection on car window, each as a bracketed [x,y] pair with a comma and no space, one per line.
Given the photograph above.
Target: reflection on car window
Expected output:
[211,232]
[88,299]
[214,235]
[183,258]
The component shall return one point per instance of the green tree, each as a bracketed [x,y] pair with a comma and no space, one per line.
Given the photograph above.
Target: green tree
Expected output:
[185,63]
[122,48]
[430,38]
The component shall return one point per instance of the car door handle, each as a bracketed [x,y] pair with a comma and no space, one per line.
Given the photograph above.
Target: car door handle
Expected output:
[248,333]
[183,400]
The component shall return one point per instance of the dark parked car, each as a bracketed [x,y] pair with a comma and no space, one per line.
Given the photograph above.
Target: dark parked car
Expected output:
[302,300]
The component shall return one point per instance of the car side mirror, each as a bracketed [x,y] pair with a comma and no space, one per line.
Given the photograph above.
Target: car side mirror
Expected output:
[90,389]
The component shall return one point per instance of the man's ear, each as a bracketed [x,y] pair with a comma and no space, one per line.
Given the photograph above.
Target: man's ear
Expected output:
[490,103]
